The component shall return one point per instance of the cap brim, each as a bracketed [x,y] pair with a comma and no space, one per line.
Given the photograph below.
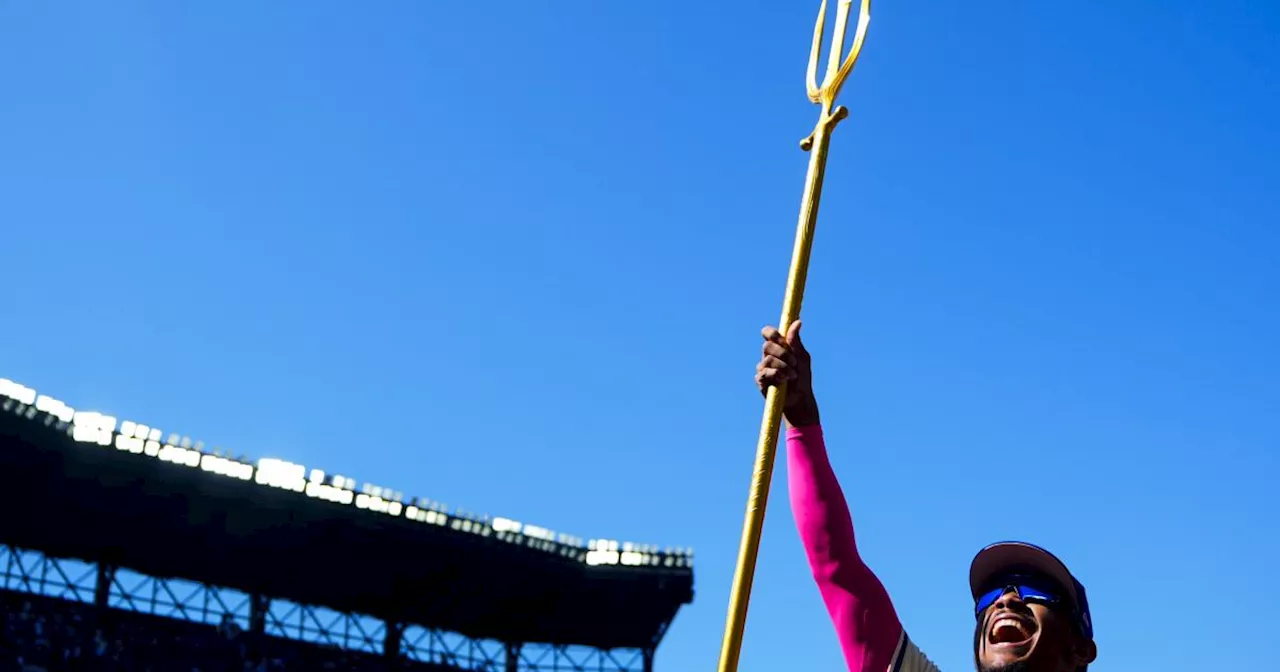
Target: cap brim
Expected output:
[1009,556]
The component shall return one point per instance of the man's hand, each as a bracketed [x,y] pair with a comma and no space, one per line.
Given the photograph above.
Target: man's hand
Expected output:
[786,361]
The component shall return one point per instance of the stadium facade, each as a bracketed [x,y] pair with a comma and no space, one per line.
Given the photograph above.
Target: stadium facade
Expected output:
[115,526]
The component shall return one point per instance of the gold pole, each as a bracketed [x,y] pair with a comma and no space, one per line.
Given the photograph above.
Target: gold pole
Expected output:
[766,448]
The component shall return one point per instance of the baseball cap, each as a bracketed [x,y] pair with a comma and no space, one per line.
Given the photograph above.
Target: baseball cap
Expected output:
[1007,556]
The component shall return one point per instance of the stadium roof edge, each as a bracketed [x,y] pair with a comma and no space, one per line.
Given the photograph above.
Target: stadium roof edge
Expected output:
[92,427]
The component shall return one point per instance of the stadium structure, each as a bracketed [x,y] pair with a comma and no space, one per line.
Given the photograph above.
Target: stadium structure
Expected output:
[141,550]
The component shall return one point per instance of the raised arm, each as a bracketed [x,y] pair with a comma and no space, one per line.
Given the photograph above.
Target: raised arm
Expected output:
[863,615]
[866,624]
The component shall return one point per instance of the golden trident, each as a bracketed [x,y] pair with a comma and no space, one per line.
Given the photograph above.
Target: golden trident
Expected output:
[766,449]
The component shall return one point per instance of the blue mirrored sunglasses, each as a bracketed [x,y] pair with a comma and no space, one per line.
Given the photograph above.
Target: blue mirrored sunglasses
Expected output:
[1028,589]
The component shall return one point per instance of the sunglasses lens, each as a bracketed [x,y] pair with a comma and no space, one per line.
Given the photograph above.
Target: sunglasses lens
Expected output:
[1038,591]
[1028,591]
[986,601]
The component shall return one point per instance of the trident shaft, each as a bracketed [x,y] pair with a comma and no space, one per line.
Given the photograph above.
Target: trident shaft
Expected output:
[816,144]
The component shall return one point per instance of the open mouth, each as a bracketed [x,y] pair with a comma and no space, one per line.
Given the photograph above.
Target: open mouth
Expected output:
[1011,630]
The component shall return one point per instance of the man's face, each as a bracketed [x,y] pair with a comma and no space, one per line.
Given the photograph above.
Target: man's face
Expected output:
[1017,636]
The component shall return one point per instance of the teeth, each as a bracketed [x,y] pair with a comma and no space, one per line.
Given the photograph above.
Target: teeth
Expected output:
[1010,622]
[1007,622]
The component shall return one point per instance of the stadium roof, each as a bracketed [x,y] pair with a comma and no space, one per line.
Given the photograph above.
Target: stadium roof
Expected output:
[126,494]
[146,440]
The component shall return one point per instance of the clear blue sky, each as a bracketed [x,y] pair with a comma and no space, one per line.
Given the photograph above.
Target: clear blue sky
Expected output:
[515,257]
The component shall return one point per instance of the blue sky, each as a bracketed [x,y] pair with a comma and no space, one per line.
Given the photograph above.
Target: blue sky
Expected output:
[515,257]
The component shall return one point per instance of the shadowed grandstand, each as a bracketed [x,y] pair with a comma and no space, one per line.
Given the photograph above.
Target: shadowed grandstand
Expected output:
[126,549]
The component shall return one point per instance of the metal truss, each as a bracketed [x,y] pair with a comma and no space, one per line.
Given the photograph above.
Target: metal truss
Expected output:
[325,626]
[456,651]
[576,658]
[27,571]
[173,598]
[30,572]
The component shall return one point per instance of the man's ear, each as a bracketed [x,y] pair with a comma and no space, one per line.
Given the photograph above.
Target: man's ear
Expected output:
[1084,651]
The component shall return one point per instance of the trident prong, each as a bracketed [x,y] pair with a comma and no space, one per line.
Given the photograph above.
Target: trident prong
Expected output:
[837,72]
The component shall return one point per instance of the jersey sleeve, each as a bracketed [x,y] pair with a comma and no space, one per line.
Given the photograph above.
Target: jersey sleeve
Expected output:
[866,624]
[909,658]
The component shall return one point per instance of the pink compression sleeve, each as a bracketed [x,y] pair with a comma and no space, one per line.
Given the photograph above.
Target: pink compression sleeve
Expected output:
[859,606]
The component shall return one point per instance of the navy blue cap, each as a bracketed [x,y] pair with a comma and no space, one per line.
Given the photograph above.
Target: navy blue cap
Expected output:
[1007,556]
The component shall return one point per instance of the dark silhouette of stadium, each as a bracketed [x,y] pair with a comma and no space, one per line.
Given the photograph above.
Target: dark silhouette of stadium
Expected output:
[124,549]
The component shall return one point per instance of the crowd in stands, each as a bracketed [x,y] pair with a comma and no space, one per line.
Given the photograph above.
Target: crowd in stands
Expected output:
[44,634]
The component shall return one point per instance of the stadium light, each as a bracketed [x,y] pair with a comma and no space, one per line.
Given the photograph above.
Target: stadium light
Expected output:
[19,393]
[425,515]
[57,409]
[281,474]
[328,493]
[225,467]
[179,455]
[129,443]
[93,427]
[539,533]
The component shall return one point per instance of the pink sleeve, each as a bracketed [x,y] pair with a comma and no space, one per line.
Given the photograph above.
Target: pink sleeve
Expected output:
[859,606]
